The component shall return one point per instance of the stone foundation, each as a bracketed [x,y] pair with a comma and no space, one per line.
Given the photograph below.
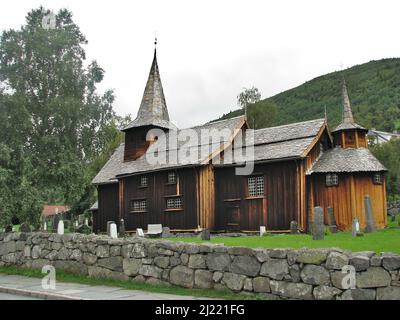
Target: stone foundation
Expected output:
[281,273]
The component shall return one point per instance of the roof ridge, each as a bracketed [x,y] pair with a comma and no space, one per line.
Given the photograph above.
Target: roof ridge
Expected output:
[291,124]
[213,122]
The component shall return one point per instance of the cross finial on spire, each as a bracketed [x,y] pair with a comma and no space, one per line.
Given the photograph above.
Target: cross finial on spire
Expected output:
[326,115]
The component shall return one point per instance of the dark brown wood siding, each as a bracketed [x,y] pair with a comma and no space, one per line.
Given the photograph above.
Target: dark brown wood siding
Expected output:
[276,209]
[108,207]
[156,194]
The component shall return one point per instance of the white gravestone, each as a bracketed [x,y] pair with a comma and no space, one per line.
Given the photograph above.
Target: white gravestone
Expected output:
[139,232]
[60,227]
[262,230]
[45,226]
[113,231]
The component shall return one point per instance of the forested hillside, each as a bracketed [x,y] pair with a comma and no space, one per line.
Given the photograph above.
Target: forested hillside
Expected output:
[374,90]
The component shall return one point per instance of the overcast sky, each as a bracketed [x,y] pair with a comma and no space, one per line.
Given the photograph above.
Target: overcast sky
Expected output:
[209,50]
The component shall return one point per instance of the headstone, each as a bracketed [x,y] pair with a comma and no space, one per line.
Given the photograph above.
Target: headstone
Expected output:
[355,228]
[60,227]
[56,220]
[139,232]
[113,231]
[166,233]
[76,223]
[318,225]
[205,234]
[369,215]
[108,227]
[331,221]
[86,221]
[263,230]
[122,228]
[294,227]
[25,228]
[8,228]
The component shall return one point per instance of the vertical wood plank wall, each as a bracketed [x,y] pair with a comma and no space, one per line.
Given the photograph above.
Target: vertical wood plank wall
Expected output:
[156,194]
[108,198]
[280,205]
[206,197]
[347,199]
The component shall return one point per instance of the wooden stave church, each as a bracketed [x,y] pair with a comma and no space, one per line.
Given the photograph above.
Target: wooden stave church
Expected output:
[294,163]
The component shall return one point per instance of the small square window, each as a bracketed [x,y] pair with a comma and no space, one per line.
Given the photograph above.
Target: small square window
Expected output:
[255,186]
[143,181]
[171,177]
[332,179]
[378,178]
[174,203]
[138,205]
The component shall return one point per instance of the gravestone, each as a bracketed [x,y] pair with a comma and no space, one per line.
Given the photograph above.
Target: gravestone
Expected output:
[45,226]
[369,215]
[56,220]
[8,228]
[355,228]
[166,233]
[113,231]
[25,228]
[122,228]
[86,221]
[331,221]
[294,227]
[139,232]
[205,234]
[263,230]
[108,227]
[318,225]
[60,227]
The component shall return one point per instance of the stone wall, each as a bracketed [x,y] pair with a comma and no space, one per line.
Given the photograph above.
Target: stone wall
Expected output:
[285,273]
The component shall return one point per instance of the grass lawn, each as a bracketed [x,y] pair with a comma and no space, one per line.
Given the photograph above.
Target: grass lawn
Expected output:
[130,285]
[385,240]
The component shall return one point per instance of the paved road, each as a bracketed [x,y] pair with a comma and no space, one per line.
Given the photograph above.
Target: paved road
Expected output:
[7,296]
[33,287]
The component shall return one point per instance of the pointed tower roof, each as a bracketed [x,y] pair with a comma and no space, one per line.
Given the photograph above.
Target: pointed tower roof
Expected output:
[153,108]
[347,115]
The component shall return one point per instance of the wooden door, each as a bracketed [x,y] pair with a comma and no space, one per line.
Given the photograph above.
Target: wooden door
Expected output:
[233,217]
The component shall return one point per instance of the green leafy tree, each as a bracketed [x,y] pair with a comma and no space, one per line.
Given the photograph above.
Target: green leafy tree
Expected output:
[54,123]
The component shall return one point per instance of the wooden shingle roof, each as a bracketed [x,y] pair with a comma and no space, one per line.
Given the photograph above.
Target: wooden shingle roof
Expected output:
[153,108]
[116,165]
[347,160]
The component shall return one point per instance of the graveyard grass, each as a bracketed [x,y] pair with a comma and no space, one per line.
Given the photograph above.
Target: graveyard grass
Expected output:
[63,276]
[384,240]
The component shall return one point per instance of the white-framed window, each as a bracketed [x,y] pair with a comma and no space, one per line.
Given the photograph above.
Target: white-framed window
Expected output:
[171,177]
[255,186]
[143,181]
[174,203]
[378,178]
[332,179]
[139,205]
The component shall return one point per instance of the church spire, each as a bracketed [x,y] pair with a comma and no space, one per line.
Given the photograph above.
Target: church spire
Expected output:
[347,116]
[153,109]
